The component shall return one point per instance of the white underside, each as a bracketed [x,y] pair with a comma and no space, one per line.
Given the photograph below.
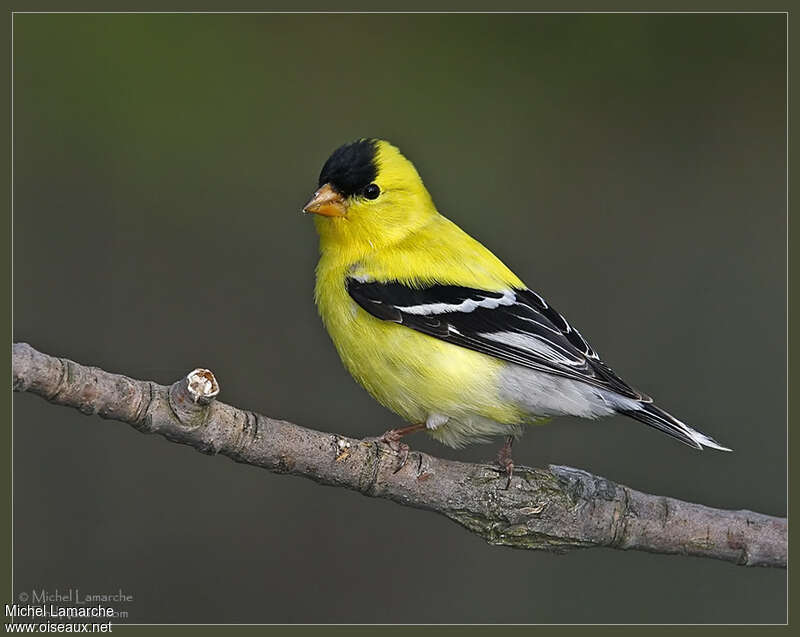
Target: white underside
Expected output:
[537,394]
[465,430]
[547,395]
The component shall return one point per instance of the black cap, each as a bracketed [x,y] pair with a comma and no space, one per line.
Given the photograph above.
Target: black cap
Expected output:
[351,167]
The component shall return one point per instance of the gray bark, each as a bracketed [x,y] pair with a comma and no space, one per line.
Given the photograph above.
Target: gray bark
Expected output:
[554,509]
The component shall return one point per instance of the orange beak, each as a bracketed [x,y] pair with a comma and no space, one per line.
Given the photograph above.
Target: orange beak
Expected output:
[327,202]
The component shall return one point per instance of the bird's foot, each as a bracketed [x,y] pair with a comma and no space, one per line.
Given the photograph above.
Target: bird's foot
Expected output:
[505,460]
[392,439]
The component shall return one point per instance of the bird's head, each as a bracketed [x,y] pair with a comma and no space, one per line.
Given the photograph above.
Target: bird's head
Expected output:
[369,195]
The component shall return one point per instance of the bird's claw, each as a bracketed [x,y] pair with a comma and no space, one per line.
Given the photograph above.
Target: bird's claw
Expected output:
[505,461]
[402,451]
[392,439]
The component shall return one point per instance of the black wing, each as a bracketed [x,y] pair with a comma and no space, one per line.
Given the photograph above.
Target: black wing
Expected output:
[514,325]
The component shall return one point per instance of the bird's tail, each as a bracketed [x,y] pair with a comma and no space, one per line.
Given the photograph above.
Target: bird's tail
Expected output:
[659,419]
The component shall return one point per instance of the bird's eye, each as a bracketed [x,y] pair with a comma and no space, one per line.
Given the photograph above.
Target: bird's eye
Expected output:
[372,191]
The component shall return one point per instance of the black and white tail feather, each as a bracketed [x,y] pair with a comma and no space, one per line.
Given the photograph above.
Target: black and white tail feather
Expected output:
[518,326]
[659,419]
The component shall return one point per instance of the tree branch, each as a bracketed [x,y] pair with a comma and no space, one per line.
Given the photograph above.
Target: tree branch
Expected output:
[554,509]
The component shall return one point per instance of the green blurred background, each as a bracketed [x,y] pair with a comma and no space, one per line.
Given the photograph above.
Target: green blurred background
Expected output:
[631,168]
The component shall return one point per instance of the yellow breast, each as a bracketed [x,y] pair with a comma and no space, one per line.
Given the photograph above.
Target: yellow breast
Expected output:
[410,373]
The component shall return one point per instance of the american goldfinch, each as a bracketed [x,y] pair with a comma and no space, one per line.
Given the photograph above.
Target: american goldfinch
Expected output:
[436,328]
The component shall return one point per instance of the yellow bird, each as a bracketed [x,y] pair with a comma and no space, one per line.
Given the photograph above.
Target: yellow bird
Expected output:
[436,328]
